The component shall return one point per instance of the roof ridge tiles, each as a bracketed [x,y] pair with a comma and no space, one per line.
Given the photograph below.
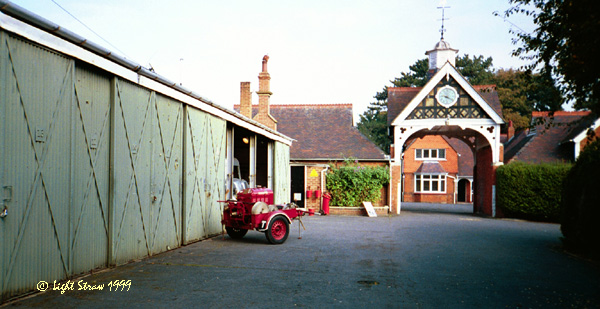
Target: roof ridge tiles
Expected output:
[560,113]
[405,88]
[304,105]
[314,105]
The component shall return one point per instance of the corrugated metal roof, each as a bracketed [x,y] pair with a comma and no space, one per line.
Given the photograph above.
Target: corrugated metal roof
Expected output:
[23,22]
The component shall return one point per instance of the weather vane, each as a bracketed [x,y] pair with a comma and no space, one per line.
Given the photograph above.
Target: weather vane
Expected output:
[443,7]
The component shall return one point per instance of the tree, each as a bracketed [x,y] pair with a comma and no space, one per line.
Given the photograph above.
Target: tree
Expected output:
[580,222]
[373,125]
[417,77]
[477,70]
[521,92]
[565,44]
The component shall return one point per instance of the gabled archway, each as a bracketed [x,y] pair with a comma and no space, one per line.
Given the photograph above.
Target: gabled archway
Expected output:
[449,105]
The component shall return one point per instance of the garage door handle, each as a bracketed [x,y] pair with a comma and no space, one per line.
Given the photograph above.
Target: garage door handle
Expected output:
[7,194]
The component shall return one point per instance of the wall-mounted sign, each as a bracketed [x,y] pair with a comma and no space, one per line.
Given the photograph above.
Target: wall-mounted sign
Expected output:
[297,196]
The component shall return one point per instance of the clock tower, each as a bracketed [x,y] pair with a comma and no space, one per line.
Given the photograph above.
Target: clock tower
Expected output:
[439,55]
[446,106]
[441,52]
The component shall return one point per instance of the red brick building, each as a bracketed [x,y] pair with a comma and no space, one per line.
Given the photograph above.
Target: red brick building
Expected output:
[556,137]
[437,169]
[322,134]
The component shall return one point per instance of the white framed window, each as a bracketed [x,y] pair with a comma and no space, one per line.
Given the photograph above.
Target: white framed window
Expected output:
[430,183]
[430,154]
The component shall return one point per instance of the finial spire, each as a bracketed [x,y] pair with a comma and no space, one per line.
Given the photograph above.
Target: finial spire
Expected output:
[443,7]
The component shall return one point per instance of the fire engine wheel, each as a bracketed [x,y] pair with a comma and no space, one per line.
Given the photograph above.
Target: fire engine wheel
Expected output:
[235,233]
[278,231]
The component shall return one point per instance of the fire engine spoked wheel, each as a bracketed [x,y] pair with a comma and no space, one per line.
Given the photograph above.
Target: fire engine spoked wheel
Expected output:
[278,230]
[235,233]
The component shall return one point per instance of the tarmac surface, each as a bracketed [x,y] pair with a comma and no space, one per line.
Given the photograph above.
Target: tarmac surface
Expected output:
[429,256]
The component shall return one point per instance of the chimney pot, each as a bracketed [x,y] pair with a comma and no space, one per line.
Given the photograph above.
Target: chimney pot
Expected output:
[264,95]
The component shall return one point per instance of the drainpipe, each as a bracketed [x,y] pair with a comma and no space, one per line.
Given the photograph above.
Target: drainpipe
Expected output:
[402,183]
[455,186]
[390,184]
[323,172]
[471,191]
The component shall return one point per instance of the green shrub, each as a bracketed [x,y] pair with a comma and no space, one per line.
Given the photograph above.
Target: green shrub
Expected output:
[351,184]
[530,191]
[580,222]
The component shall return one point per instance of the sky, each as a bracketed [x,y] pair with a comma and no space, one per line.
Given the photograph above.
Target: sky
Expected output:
[321,51]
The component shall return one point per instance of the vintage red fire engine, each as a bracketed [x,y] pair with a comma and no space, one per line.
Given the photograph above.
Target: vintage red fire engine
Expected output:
[254,210]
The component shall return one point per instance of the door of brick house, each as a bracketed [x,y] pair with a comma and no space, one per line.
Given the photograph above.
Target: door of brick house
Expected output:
[298,185]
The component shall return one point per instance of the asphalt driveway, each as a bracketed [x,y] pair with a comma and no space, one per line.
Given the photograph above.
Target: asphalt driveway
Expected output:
[429,256]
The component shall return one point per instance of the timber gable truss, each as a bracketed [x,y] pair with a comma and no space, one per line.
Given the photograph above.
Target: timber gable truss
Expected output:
[465,106]
[469,104]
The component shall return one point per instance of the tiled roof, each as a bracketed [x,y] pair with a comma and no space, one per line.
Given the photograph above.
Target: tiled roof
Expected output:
[550,141]
[465,156]
[490,95]
[323,132]
[430,167]
[400,97]
[580,126]
[514,145]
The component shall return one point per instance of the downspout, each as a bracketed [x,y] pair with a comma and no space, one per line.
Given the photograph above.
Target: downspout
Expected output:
[402,183]
[455,186]
[471,191]
[390,184]
[323,172]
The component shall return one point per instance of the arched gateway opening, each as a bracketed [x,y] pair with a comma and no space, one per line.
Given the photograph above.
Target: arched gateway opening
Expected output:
[463,194]
[448,107]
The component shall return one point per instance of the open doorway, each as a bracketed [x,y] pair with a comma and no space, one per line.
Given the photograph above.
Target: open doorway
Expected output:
[297,185]
[464,191]
[263,168]
[239,159]
[251,160]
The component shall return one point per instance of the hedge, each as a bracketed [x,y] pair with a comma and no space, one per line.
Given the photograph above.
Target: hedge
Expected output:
[531,191]
[580,222]
[351,184]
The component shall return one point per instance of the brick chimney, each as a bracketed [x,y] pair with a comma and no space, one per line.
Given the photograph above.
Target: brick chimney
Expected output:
[264,95]
[511,131]
[245,99]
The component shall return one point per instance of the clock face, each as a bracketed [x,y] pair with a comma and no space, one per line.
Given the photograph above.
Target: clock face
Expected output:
[447,96]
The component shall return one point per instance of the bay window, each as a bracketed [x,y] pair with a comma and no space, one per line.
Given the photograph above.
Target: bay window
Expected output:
[430,183]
